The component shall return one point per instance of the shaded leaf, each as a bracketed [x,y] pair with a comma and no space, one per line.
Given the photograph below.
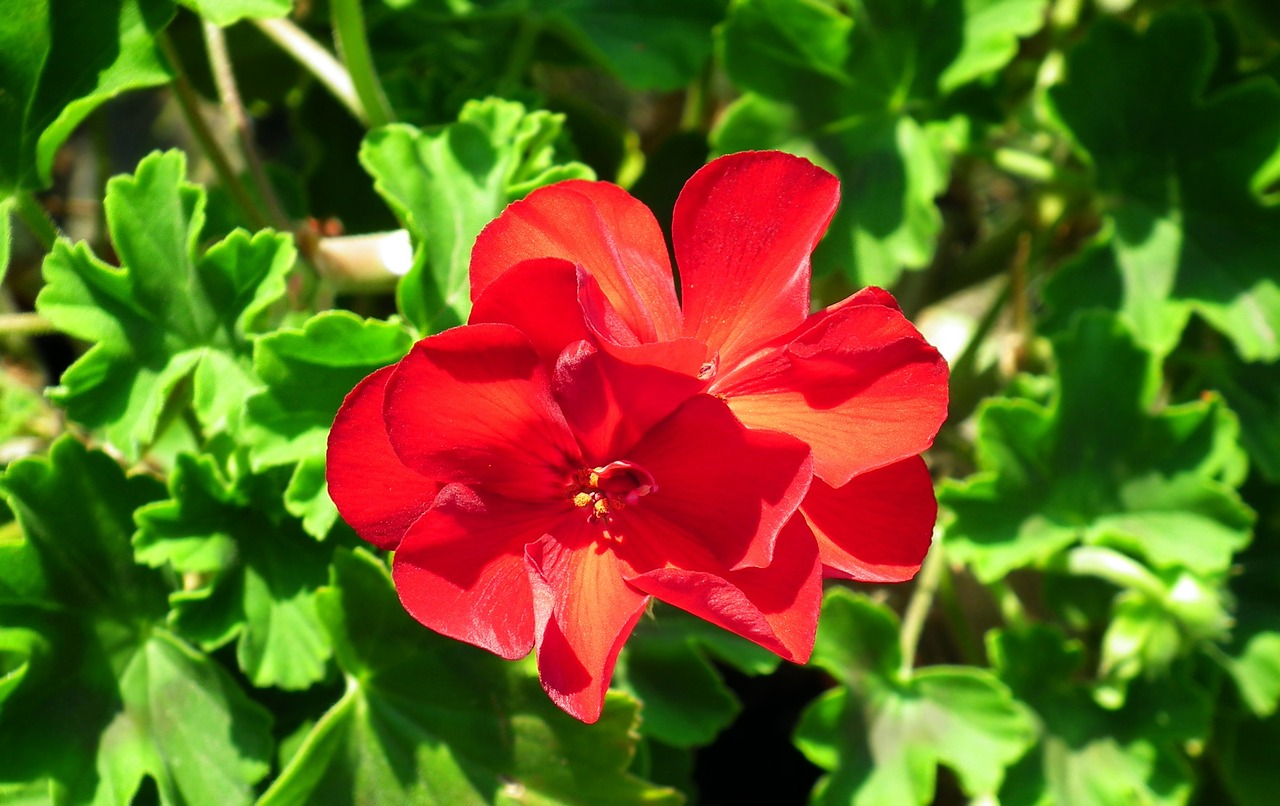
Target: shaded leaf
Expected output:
[58,62]
[262,574]
[426,719]
[96,694]
[1087,754]
[1181,167]
[862,88]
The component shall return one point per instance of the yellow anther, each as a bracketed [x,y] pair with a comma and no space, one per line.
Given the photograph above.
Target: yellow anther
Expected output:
[581,499]
[601,508]
[593,479]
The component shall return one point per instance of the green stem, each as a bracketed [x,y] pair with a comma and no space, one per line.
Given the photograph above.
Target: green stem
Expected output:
[318,61]
[520,55]
[970,647]
[25,324]
[1116,568]
[225,79]
[190,105]
[918,608]
[37,219]
[353,46]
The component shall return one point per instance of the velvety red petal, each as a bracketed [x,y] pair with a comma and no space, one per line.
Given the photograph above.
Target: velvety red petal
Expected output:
[473,405]
[722,491]
[744,227]
[585,612]
[540,299]
[876,528]
[776,607]
[375,493]
[859,384]
[600,227]
[461,569]
[610,402]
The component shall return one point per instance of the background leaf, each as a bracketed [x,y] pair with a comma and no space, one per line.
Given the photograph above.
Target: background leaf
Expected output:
[58,62]
[427,719]
[448,183]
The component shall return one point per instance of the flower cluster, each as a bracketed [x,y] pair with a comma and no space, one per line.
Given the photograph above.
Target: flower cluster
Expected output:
[590,440]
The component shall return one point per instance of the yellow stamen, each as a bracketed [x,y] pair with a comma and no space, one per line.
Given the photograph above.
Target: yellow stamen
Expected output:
[582,499]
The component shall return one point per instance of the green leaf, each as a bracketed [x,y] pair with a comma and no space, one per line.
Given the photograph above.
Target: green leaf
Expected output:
[93,692]
[308,371]
[59,60]
[6,233]
[1253,393]
[447,183]
[649,44]
[1087,754]
[1243,754]
[1101,469]
[1181,168]
[428,720]
[260,574]
[883,735]
[676,646]
[864,90]
[167,316]
[226,12]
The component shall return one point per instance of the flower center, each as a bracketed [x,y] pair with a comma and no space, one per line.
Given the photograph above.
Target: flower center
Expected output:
[602,491]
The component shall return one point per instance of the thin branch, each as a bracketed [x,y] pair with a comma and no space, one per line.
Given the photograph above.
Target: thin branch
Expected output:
[25,324]
[190,105]
[37,219]
[318,60]
[225,79]
[919,606]
[353,45]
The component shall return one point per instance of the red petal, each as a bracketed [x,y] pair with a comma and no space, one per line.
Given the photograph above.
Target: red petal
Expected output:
[876,528]
[776,607]
[858,383]
[600,227]
[377,495]
[610,403]
[585,612]
[540,299]
[723,491]
[473,405]
[744,228]
[461,570]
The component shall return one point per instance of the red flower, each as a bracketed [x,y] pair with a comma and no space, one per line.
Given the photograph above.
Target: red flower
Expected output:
[569,499]
[857,382]
[584,443]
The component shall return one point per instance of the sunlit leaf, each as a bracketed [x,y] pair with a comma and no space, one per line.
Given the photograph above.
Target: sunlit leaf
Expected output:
[1108,469]
[883,734]
[168,316]
[447,183]
[308,371]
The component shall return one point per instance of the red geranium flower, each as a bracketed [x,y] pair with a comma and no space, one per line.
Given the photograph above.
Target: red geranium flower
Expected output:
[569,499]
[856,382]
[584,443]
